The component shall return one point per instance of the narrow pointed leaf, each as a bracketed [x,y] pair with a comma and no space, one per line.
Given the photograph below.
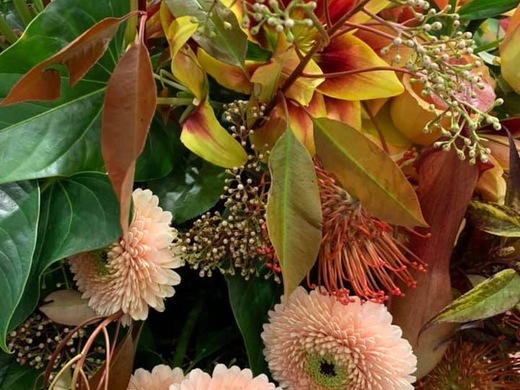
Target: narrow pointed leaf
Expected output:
[205,136]
[43,83]
[293,209]
[19,212]
[493,296]
[130,102]
[494,218]
[483,9]
[367,172]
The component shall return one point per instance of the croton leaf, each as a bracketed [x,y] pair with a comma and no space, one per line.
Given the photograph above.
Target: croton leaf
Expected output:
[19,213]
[128,111]
[493,296]
[367,172]
[293,209]
[43,82]
[205,136]
[494,218]
[61,137]
[220,34]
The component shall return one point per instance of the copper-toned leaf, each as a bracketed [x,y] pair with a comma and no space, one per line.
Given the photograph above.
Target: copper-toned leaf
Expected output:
[367,172]
[494,218]
[130,102]
[43,82]
[66,307]
[293,209]
[493,296]
[444,205]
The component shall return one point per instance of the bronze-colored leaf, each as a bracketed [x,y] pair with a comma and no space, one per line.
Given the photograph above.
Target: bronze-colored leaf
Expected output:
[130,102]
[42,82]
[367,172]
[66,307]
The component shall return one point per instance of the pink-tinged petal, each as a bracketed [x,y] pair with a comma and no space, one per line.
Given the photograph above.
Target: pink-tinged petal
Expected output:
[510,53]
[337,8]
[204,136]
[271,77]
[348,53]
[345,111]
[443,206]
[229,76]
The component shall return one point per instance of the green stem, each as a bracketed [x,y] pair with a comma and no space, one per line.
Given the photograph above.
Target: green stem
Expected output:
[187,331]
[6,31]
[38,5]
[23,11]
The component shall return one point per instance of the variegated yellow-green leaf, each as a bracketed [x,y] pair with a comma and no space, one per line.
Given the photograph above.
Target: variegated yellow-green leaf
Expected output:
[491,297]
[293,209]
[494,218]
[204,136]
[367,172]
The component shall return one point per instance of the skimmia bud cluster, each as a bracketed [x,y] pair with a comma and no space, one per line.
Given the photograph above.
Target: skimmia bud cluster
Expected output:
[270,13]
[440,59]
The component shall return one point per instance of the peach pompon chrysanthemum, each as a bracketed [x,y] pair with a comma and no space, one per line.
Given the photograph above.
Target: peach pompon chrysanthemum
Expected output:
[136,271]
[224,378]
[315,342]
[161,377]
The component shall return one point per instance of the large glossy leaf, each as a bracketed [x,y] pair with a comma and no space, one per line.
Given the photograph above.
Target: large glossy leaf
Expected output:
[293,209]
[367,172]
[493,296]
[220,34]
[494,218]
[19,377]
[60,137]
[77,214]
[19,212]
[250,301]
[191,189]
[483,9]
[128,111]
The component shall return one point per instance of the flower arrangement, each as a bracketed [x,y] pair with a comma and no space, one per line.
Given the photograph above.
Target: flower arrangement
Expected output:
[259,194]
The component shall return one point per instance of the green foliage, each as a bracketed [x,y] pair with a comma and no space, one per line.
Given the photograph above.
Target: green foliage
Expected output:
[482,9]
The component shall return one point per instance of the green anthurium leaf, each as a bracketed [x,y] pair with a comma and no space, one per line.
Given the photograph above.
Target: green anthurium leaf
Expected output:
[293,209]
[160,152]
[192,188]
[493,296]
[494,218]
[78,214]
[19,377]
[61,137]
[19,213]
[219,33]
[483,9]
[367,173]
[250,301]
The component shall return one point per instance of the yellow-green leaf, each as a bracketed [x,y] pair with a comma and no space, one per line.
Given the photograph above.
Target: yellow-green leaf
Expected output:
[204,136]
[491,297]
[367,173]
[293,209]
[494,218]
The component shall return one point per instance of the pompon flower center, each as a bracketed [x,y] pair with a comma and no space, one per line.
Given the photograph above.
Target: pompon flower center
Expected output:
[326,373]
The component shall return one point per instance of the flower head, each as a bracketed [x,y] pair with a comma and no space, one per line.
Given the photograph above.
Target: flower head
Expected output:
[160,378]
[135,271]
[224,378]
[314,342]
[358,248]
